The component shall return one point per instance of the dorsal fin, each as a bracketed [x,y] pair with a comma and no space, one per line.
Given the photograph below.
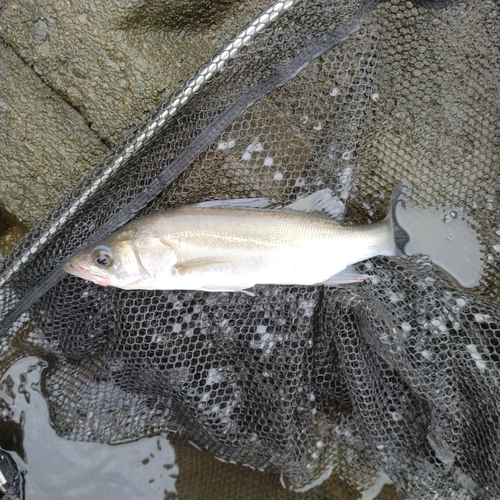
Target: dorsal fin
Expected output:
[236,203]
[322,204]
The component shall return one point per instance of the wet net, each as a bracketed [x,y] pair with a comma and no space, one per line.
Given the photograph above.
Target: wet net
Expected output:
[400,372]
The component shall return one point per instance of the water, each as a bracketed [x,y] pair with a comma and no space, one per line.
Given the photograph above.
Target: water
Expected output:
[66,470]
[150,468]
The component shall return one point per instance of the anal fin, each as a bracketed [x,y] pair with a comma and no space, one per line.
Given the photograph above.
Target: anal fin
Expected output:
[227,288]
[347,275]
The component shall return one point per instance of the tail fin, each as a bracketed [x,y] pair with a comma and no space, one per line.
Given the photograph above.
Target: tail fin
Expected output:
[448,240]
[401,237]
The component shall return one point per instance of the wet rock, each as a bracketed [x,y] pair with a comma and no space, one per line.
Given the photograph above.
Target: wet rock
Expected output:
[46,144]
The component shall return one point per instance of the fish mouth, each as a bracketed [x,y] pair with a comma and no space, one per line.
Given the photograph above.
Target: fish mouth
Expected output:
[77,271]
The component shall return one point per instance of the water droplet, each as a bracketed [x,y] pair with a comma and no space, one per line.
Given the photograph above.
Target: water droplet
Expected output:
[304,119]
[334,92]
[449,215]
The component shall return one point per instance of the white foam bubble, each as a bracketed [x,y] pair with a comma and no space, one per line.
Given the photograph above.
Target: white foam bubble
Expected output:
[482,318]
[406,327]
[476,356]
[214,376]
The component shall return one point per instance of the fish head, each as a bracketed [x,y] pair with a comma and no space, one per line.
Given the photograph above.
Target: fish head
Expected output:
[113,261]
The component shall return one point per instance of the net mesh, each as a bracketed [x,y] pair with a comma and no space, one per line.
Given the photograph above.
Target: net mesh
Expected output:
[400,372]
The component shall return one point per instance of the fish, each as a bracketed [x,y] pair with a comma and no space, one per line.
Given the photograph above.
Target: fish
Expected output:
[232,245]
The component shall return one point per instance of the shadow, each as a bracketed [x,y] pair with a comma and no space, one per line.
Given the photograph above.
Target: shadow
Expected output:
[177,15]
[11,231]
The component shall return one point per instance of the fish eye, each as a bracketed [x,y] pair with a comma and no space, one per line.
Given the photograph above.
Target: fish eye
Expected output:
[102,257]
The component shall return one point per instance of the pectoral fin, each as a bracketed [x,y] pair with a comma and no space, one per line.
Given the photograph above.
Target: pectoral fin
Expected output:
[347,275]
[197,265]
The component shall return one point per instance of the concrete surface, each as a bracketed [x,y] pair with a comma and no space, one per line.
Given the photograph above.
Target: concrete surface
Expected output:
[77,75]
[46,144]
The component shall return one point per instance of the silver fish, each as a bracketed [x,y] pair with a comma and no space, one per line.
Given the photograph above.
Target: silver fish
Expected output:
[208,246]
